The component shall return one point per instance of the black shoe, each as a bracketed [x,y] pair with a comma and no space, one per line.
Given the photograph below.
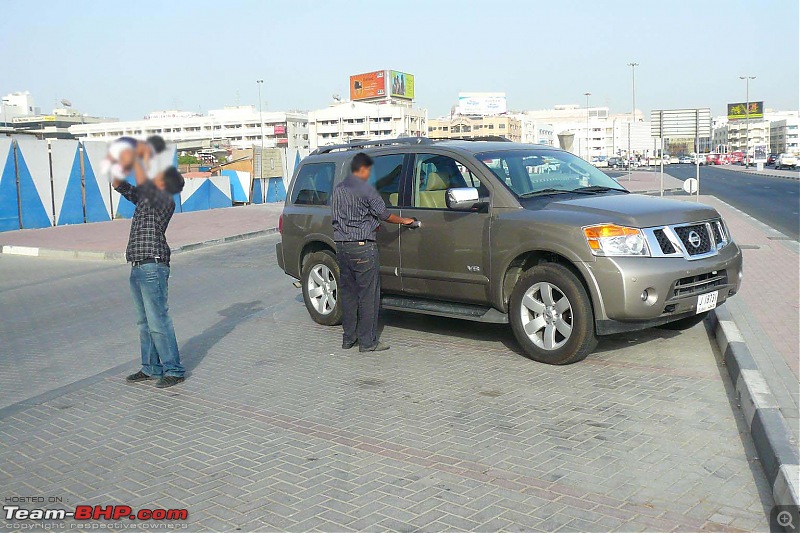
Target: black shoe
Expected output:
[380,347]
[348,345]
[169,381]
[139,376]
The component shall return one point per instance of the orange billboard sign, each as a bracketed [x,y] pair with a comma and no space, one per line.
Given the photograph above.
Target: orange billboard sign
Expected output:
[368,85]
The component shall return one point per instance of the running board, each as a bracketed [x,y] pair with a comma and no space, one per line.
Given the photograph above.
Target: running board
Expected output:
[476,313]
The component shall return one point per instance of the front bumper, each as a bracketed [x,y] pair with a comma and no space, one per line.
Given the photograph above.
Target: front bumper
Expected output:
[672,283]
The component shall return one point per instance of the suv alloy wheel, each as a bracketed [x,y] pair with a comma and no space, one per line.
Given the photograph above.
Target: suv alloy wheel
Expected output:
[552,315]
[320,281]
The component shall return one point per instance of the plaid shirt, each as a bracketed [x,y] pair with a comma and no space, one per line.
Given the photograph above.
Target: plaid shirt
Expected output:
[154,209]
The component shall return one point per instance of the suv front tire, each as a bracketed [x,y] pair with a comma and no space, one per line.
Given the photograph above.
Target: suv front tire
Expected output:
[551,315]
[320,281]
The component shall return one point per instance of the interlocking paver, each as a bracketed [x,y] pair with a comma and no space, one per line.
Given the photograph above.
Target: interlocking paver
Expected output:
[277,429]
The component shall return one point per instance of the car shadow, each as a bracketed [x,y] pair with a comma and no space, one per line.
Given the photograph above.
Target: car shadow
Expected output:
[502,333]
[194,350]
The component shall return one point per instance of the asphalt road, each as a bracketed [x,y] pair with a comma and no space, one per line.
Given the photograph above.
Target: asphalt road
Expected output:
[773,201]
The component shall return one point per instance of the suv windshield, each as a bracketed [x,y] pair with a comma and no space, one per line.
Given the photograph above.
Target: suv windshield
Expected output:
[528,172]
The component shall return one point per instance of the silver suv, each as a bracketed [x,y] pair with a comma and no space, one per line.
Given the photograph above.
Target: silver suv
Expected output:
[514,233]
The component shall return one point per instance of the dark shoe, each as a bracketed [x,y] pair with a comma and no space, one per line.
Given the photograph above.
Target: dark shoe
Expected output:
[139,376]
[348,345]
[169,381]
[380,347]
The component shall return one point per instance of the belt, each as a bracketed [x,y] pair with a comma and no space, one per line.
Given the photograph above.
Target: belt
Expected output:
[149,261]
[362,242]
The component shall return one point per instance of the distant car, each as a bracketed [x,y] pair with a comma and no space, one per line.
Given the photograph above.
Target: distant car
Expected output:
[674,160]
[786,161]
[615,162]
[685,159]
[771,159]
[600,162]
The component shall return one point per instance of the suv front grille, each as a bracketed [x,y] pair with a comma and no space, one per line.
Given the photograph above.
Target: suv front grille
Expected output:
[699,284]
[664,242]
[695,238]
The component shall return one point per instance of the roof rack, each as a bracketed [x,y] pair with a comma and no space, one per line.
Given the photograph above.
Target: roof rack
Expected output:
[489,138]
[370,144]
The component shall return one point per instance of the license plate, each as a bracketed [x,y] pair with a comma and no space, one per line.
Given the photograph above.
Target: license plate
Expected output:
[706,302]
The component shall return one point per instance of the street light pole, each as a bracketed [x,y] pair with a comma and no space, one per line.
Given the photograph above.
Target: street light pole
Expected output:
[633,113]
[261,156]
[747,119]
[587,95]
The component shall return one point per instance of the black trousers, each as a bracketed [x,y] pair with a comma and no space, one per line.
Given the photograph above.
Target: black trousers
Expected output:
[360,291]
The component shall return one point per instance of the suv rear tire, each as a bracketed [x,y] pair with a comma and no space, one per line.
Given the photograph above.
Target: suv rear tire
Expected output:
[551,315]
[320,281]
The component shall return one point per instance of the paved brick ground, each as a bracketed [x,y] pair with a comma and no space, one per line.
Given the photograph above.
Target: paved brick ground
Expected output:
[185,228]
[278,429]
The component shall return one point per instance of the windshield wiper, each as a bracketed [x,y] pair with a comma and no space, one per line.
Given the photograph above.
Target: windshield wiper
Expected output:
[542,192]
[599,188]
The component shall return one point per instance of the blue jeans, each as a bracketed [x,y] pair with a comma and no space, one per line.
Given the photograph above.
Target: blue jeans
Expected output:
[149,285]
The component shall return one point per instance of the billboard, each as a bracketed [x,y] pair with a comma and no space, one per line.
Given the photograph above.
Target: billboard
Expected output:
[760,153]
[402,84]
[369,85]
[481,103]
[739,110]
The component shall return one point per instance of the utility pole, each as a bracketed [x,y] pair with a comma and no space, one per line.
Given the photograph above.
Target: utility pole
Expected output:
[633,114]
[588,157]
[747,119]
[261,156]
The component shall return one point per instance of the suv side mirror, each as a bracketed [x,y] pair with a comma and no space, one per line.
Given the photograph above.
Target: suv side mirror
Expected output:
[463,199]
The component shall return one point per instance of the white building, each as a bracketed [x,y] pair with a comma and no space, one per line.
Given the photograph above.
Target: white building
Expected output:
[234,127]
[18,104]
[535,132]
[783,136]
[599,133]
[350,121]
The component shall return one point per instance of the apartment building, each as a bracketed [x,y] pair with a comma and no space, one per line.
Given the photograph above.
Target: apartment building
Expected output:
[783,136]
[230,127]
[350,121]
[470,127]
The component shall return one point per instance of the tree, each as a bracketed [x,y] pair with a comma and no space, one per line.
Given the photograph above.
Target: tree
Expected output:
[188,160]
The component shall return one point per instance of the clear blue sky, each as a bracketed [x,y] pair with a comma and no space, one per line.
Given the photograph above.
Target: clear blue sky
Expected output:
[124,59]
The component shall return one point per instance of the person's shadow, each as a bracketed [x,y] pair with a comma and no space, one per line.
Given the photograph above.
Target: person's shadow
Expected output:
[198,346]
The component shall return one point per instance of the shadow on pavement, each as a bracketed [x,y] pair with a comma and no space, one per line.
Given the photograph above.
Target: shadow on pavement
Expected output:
[197,347]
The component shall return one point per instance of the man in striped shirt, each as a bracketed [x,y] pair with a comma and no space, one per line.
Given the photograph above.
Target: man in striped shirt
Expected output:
[357,212]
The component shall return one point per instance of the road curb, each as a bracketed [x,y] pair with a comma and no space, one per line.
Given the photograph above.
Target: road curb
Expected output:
[771,434]
[119,257]
[781,176]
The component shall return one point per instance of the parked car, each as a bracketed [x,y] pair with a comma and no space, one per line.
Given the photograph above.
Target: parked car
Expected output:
[600,162]
[786,161]
[771,159]
[523,234]
[674,160]
[616,162]
[685,159]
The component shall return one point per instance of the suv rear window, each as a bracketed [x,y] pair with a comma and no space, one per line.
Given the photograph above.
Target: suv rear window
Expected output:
[314,184]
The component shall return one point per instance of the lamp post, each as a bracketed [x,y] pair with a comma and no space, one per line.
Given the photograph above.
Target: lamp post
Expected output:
[633,112]
[261,155]
[747,119]
[588,157]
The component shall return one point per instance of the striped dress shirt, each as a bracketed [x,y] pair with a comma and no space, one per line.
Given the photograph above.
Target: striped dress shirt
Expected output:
[357,210]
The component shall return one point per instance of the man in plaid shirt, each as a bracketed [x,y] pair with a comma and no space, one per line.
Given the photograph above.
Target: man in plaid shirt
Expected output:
[149,254]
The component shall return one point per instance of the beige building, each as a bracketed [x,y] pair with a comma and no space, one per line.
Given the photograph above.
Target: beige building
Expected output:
[470,127]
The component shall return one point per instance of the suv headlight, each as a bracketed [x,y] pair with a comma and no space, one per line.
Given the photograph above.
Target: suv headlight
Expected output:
[613,240]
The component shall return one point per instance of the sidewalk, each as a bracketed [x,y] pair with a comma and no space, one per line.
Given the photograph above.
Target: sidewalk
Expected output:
[107,240]
[640,181]
[766,309]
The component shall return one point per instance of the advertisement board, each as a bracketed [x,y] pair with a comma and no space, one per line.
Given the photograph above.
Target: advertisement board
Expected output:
[759,153]
[369,85]
[402,84]
[481,103]
[739,110]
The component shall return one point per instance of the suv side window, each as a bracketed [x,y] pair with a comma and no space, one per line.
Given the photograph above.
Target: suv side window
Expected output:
[314,184]
[434,174]
[385,177]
